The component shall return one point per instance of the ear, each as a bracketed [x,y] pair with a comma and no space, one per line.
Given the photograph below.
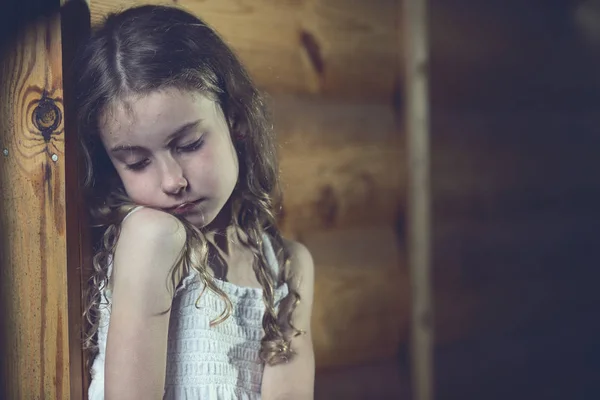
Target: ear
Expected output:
[238,133]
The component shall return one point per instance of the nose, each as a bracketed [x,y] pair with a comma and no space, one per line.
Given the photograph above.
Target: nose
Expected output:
[173,179]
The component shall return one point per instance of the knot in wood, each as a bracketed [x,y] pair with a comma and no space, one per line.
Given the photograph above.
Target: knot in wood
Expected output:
[46,117]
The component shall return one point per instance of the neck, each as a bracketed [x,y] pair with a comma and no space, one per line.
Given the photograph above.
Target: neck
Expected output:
[222,232]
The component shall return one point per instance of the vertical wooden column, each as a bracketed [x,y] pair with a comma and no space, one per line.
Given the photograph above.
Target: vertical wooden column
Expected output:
[419,201]
[75,23]
[40,346]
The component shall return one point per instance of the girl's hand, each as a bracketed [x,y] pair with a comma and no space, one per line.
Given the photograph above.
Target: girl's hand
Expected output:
[148,247]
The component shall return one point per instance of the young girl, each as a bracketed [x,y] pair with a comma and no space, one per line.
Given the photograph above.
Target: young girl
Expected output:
[195,294]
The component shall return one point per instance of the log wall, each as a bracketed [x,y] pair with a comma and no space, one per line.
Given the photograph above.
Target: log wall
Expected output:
[325,47]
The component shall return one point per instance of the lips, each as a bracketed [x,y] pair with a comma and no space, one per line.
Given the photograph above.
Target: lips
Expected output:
[184,208]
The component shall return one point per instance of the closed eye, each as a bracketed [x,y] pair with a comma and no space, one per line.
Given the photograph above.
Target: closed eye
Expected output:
[138,166]
[192,146]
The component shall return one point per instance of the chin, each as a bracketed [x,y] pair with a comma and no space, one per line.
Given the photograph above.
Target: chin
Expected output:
[199,221]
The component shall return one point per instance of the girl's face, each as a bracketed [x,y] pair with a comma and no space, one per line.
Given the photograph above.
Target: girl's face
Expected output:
[172,151]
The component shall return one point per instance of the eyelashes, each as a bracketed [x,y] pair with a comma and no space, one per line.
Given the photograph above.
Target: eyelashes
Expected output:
[138,165]
[188,148]
[192,146]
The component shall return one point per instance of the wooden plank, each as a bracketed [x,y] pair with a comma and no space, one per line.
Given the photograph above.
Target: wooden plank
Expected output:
[333,48]
[419,197]
[341,164]
[362,301]
[33,278]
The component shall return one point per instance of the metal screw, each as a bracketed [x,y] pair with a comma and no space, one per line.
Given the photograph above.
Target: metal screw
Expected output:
[5,152]
[54,157]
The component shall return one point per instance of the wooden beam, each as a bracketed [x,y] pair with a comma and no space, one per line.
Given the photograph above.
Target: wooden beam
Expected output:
[75,17]
[419,235]
[33,275]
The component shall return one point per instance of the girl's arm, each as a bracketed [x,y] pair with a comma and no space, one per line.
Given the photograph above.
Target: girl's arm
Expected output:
[148,247]
[295,379]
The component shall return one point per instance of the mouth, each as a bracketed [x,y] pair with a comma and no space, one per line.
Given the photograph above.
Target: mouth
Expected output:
[184,208]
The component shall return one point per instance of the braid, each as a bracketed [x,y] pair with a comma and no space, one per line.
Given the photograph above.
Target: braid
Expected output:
[255,220]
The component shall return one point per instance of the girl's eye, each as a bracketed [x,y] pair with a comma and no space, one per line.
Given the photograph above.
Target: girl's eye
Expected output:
[138,166]
[192,146]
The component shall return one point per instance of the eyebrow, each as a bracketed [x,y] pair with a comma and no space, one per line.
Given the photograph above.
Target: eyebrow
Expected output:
[178,132]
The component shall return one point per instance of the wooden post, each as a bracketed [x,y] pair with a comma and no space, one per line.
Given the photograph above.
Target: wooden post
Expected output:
[75,15]
[40,286]
[419,202]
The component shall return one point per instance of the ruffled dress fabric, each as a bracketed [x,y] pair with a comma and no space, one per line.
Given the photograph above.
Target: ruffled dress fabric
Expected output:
[203,362]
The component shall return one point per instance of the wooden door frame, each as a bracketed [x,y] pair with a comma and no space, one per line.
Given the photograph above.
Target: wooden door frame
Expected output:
[43,243]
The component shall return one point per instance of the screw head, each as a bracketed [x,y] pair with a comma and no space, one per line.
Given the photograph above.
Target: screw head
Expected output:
[5,152]
[54,157]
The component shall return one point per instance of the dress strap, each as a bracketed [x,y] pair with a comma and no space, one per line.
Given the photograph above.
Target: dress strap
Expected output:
[134,209]
[270,256]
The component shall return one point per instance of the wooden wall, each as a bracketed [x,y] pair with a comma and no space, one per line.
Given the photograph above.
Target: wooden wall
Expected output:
[330,48]
[516,188]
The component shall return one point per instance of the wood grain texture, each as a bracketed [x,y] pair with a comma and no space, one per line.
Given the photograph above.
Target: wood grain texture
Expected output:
[487,55]
[333,48]
[342,165]
[33,280]
[361,299]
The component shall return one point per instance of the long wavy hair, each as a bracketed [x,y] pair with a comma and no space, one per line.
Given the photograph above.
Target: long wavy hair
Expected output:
[149,48]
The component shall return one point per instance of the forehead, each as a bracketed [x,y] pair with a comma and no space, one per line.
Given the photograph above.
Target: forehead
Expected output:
[154,115]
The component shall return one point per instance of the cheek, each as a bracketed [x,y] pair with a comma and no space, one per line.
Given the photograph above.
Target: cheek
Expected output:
[227,165]
[138,188]
[216,170]
[209,169]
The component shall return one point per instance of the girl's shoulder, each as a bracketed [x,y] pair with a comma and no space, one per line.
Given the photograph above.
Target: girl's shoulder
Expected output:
[149,245]
[146,223]
[296,249]
[301,266]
